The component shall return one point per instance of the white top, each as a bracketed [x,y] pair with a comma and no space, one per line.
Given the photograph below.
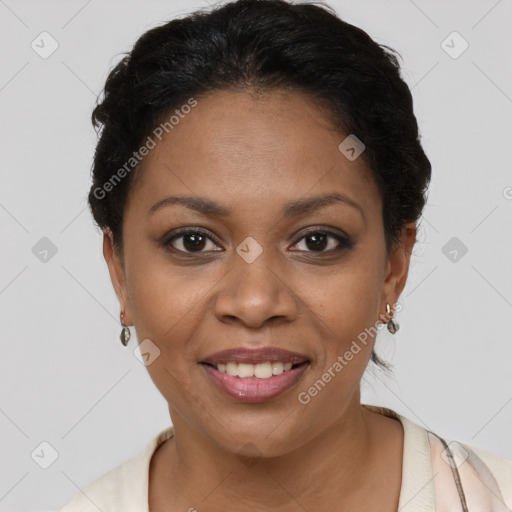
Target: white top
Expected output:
[430,477]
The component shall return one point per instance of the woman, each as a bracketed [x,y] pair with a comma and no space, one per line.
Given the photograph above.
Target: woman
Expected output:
[259,179]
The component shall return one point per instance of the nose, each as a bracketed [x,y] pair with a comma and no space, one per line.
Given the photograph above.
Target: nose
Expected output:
[255,294]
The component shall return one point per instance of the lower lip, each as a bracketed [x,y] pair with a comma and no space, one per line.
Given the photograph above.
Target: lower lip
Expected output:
[254,389]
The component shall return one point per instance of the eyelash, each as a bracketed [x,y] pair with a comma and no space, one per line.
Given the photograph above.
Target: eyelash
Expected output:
[343,242]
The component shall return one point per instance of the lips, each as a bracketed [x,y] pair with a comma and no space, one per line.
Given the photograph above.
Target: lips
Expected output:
[254,389]
[255,356]
[276,371]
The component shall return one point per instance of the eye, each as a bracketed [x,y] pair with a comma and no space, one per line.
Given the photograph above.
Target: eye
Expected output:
[190,241]
[323,241]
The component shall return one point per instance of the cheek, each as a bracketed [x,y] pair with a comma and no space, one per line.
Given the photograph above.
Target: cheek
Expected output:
[167,308]
[346,307]
[165,300]
[345,312]
[348,298]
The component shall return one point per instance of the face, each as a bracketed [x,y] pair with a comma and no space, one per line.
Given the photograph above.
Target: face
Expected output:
[260,269]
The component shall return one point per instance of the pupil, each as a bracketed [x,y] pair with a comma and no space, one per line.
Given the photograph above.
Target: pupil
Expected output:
[196,244]
[316,245]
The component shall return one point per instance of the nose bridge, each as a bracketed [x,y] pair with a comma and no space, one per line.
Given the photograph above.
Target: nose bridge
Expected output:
[256,269]
[254,290]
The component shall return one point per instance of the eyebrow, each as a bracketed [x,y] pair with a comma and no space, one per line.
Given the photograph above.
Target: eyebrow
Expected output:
[208,207]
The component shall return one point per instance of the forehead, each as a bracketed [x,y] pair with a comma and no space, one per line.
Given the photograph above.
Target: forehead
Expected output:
[259,148]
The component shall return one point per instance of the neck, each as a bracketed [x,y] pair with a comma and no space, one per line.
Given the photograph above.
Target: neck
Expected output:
[333,467]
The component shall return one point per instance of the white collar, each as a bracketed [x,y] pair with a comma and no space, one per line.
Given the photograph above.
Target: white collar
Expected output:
[125,488]
[416,492]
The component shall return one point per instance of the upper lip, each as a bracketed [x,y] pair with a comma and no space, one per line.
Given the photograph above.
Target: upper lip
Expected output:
[255,356]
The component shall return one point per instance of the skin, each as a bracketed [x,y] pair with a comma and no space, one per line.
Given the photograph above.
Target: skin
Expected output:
[253,154]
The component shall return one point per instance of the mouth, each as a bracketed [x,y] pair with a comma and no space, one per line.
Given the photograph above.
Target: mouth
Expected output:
[265,370]
[259,382]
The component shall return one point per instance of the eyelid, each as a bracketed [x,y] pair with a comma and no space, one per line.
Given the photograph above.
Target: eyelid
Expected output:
[326,230]
[343,240]
[167,240]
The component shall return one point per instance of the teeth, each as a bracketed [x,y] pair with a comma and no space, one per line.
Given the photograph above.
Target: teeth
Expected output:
[232,369]
[260,371]
[245,370]
[277,368]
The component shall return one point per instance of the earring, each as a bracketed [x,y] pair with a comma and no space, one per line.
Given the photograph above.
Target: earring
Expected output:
[125,333]
[392,326]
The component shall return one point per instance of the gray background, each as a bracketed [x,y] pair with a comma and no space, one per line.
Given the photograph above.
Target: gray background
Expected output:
[65,377]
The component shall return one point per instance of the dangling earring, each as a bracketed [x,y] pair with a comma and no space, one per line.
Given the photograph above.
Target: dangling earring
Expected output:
[392,326]
[125,333]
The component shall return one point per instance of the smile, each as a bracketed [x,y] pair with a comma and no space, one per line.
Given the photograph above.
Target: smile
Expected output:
[255,382]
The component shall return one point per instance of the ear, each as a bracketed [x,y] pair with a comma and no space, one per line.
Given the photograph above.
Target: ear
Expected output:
[117,276]
[397,269]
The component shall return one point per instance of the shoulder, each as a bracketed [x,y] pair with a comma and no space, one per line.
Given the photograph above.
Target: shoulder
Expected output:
[499,467]
[103,493]
[439,473]
[479,477]
[123,488]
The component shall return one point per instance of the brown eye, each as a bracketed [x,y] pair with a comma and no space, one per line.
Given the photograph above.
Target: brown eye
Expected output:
[322,241]
[191,241]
